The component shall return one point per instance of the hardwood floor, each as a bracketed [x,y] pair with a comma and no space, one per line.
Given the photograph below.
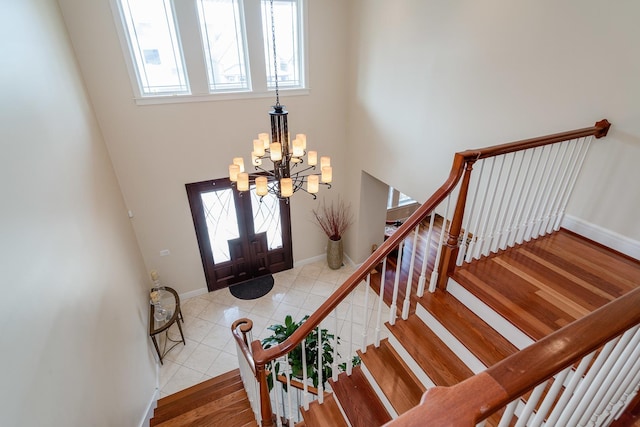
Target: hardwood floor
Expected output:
[540,285]
[545,284]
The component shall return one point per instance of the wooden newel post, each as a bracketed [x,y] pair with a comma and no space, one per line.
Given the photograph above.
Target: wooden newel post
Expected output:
[265,400]
[452,245]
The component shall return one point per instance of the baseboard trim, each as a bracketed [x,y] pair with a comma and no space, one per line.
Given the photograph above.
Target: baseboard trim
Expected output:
[608,238]
[202,291]
[150,408]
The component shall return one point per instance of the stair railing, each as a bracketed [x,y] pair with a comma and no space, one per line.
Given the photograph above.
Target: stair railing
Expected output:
[586,373]
[444,215]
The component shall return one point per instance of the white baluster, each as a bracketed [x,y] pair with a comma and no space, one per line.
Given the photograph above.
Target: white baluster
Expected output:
[507,416]
[570,408]
[569,389]
[475,221]
[521,222]
[502,228]
[479,240]
[334,367]
[562,187]
[550,398]
[468,216]
[523,418]
[434,274]
[499,216]
[380,303]
[394,301]
[572,185]
[610,378]
[626,391]
[488,233]
[305,385]
[547,206]
[518,206]
[534,203]
[287,373]
[320,386]
[275,393]
[407,295]
[365,326]
[350,351]
[543,190]
[427,256]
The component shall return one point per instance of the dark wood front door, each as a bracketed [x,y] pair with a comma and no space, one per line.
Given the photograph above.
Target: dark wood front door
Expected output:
[240,235]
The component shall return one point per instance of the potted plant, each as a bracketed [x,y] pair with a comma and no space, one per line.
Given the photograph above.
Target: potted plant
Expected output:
[283,331]
[334,221]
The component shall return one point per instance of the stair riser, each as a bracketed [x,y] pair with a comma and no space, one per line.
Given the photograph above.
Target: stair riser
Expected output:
[497,322]
[406,357]
[451,341]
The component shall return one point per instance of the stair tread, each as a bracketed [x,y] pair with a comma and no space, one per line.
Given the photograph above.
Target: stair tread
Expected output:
[326,414]
[482,340]
[213,382]
[435,358]
[227,410]
[397,382]
[198,398]
[359,400]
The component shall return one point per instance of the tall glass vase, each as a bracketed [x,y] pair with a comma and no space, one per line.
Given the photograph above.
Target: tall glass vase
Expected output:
[334,254]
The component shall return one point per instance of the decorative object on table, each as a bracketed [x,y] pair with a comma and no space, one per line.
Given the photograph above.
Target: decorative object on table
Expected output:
[155,296]
[252,288]
[334,220]
[287,173]
[283,331]
[169,301]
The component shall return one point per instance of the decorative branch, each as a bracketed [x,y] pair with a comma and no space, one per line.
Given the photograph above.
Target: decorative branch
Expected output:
[333,220]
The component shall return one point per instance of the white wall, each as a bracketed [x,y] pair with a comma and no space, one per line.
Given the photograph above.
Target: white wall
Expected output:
[429,78]
[157,149]
[75,350]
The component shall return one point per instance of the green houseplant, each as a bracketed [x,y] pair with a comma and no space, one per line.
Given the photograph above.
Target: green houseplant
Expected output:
[283,331]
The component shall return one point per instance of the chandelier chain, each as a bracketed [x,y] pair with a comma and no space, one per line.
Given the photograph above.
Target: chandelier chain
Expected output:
[275,58]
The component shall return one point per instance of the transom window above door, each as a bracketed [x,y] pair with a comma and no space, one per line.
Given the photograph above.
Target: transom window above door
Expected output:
[192,50]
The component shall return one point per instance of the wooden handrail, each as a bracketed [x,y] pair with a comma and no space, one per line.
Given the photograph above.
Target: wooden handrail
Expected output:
[258,357]
[245,326]
[450,250]
[476,398]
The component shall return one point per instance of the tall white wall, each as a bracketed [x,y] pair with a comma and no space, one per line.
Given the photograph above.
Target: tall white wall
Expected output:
[429,78]
[157,149]
[75,350]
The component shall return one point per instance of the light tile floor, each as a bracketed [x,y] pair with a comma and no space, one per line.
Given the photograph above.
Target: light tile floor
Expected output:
[210,349]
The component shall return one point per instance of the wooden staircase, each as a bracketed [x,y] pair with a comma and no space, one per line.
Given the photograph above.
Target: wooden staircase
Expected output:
[220,401]
[446,339]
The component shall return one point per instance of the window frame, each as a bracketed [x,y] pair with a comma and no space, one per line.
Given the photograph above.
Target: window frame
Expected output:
[192,49]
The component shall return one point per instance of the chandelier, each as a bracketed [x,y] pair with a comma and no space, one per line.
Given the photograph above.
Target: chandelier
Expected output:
[288,172]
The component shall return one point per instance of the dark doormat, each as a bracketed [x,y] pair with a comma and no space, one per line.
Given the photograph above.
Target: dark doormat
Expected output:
[252,288]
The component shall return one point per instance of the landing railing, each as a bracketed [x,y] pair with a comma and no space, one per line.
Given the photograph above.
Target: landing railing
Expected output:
[513,200]
[583,374]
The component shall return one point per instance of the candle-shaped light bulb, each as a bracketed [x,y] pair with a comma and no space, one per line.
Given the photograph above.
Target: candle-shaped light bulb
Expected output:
[264,137]
[325,161]
[286,187]
[234,170]
[312,158]
[298,150]
[327,174]
[261,186]
[240,162]
[258,147]
[275,151]
[312,184]
[302,137]
[243,181]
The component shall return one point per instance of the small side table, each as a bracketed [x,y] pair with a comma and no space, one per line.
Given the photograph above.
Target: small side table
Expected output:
[170,301]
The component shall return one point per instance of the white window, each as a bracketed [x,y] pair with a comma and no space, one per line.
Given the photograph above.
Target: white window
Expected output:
[188,50]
